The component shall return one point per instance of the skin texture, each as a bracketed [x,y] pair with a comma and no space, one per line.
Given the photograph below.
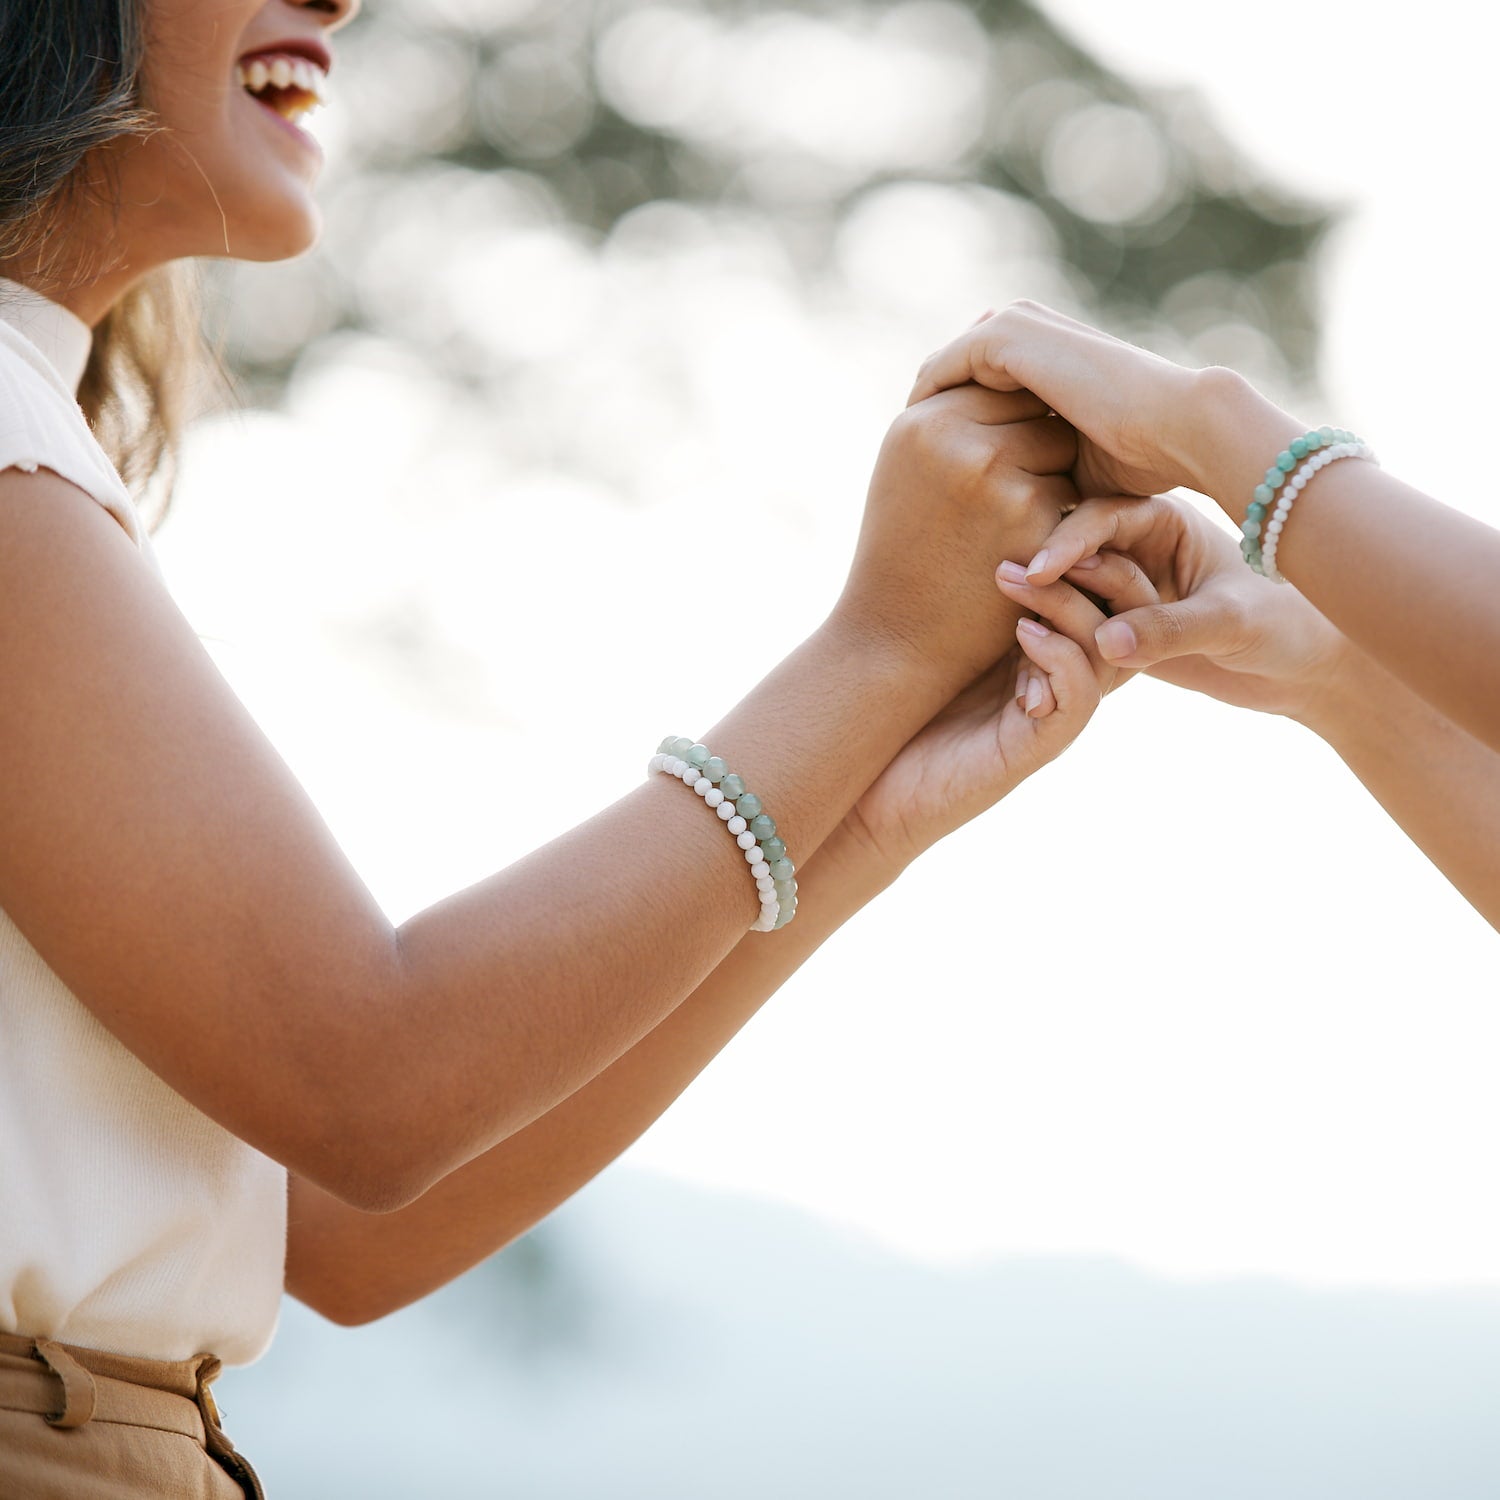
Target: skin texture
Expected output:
[1198,617]
[1406,579]
[220,178]
[435,1088]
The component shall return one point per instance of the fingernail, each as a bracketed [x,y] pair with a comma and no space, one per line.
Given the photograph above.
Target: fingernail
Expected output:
[1037,563]
[1033,695]
[1033,627]
[1023,677]
[1012,572]
[1115,639]
[1087,564]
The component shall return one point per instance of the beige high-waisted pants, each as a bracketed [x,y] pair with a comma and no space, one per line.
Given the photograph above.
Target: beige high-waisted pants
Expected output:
[76,1424]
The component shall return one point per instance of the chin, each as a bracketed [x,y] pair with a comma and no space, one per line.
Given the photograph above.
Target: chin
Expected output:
[277,232]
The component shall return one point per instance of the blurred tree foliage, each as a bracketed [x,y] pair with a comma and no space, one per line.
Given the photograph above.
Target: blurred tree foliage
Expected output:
[458,116]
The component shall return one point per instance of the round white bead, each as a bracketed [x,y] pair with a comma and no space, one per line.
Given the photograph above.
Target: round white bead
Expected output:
[726,811]
[751,851]
[769,898]
[690,774]
[765,883]
[759,868]
[745,840]
[713,796]
[703,786]
[1274,527]
[737,824]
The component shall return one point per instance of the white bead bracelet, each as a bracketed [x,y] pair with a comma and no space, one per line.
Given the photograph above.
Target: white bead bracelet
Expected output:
[754,835]
[1294,487]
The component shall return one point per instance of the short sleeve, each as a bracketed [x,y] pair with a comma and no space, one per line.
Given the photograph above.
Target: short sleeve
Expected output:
[43,427]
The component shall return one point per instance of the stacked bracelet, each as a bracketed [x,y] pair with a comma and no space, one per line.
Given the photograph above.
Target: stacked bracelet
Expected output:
[1294,487]
[1312,451]
[753,829]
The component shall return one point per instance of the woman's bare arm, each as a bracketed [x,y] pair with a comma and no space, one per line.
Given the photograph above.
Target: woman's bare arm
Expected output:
[163,861]
[355,1266]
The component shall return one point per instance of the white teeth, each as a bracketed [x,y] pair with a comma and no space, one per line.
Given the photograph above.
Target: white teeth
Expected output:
[282,73]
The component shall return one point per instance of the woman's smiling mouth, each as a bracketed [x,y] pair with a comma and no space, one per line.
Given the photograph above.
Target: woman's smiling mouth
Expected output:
[284,82]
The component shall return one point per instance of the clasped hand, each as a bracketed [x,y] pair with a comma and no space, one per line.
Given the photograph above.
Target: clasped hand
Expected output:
[1028,606]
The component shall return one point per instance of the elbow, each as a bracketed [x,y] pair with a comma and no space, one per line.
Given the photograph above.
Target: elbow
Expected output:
[378,1166]
[352,1314]
[375,1177]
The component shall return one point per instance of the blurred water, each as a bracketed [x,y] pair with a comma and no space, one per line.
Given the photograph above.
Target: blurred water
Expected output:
[709,1347]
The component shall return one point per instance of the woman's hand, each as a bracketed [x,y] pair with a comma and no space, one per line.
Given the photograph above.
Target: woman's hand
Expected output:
[1213,626]
[1018,716]
[1133,411]
[962,480]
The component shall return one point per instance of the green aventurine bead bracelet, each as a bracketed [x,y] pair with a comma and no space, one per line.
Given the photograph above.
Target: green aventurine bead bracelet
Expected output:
[754,829]
[1268,492]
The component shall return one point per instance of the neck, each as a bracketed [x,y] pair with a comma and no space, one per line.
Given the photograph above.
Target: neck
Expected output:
[88,298]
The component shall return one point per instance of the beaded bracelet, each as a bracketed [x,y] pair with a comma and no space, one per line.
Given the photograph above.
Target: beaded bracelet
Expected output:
[1321,442]
[754,829]
[1295,485]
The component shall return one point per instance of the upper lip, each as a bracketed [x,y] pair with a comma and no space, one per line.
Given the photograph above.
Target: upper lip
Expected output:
[297,46]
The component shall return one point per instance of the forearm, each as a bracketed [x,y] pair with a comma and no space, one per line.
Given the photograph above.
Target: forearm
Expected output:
[1407,579]
[547,972]
[1436,780]
[355,1266]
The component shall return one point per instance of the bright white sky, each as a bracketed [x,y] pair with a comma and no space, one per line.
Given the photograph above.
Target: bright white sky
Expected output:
[1189,998]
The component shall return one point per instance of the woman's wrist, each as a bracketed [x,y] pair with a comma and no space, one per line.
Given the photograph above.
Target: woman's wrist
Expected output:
[1229,434]
[858,863]
[1337,701]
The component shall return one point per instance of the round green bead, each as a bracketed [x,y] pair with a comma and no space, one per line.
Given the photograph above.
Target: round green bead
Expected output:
[771,847]
[1314,441]
[697,755]
[785,889]
[1264,494]
[665,748]
[680,747]
[1285,462]
[1275,478]
[1251,529]
[715,769]
[1256,511]
[763,826]
[732,786]
[1299,447]
[783,869]
[747,805]
[1326,433]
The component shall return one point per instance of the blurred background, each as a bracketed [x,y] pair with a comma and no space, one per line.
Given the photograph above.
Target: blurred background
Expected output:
[1140,1141]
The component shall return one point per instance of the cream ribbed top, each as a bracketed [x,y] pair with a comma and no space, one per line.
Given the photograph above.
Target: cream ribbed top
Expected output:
[129,1221]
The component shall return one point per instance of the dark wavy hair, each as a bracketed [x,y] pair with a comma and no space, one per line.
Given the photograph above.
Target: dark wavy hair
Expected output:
[70,83]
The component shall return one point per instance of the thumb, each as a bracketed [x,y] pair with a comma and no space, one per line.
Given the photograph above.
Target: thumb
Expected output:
[1154,632]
